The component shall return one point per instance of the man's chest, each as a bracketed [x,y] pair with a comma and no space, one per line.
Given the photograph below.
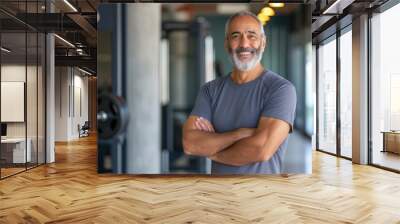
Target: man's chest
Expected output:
[237,109]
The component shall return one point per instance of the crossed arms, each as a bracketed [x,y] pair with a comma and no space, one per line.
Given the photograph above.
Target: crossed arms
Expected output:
[238,147]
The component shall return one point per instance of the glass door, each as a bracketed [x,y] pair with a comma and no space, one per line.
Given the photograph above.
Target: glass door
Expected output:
[326,96]
[14,154]
[385,89]
[345,41]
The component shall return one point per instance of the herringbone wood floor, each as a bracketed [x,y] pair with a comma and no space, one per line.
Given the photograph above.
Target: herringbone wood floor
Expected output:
[70,191]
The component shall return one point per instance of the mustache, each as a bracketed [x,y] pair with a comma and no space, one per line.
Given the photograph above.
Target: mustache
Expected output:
[245,49]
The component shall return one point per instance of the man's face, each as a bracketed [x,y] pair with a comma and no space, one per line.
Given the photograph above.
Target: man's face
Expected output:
[244,42]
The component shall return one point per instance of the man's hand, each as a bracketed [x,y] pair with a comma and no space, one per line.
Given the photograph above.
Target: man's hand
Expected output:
[201,139]
[202,124]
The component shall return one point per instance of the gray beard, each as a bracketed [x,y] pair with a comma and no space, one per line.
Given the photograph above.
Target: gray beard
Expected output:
[246,66]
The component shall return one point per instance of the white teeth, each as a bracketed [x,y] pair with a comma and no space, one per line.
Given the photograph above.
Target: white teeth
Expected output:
[245,53]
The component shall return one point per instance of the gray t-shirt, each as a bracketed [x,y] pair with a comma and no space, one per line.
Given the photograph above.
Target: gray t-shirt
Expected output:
[229,106]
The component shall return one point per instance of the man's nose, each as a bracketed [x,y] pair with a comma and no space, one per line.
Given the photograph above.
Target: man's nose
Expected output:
[244,42]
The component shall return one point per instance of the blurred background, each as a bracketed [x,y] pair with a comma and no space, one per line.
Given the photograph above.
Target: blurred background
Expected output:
[49,69]
[152,60]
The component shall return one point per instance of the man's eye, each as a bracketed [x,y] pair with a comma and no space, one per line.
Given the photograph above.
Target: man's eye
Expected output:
[234,36]
[252,36]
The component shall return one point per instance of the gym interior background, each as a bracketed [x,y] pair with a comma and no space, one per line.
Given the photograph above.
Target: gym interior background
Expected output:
[157,67]
[50,47]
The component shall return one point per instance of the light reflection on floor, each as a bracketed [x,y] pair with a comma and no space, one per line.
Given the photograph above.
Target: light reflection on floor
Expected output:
[386,159]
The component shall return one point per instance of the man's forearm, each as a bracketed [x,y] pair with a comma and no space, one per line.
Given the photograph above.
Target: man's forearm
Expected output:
[242,152]
[203,143]
[258,147]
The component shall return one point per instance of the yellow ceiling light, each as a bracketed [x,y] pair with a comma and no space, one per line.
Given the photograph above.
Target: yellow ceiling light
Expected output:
[268,11]
[277,4]
[264,23]
[263,18]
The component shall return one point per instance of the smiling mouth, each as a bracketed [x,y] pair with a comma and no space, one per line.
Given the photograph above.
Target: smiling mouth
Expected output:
[245,54]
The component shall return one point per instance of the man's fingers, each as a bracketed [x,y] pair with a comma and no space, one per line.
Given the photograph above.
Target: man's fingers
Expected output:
[212,128]
[203,125]
[208,124]
[198,126]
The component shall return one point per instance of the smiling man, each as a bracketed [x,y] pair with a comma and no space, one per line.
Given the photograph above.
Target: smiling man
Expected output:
[242,121]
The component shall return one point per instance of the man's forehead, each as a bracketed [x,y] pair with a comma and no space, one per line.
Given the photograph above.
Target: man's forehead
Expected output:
[249,30]
[244,24]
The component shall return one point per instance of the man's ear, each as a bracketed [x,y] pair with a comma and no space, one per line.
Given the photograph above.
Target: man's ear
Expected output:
[264,42]
[226,45]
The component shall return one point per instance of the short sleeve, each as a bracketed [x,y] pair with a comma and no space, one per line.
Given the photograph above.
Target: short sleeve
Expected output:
[281,104]
[202,106]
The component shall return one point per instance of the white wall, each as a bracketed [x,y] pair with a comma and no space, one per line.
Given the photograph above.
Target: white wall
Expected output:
[14,73]
[61,103]
[17,72]
[70,83]
[33,126]
[80,100]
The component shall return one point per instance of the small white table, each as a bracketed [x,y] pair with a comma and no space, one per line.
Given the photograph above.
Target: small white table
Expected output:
[19,155]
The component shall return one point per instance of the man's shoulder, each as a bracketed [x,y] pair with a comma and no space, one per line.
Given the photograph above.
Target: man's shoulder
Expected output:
[210,88]
[215,83]
[275,81]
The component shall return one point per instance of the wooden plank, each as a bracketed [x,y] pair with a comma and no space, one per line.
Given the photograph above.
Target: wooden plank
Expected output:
[70,191]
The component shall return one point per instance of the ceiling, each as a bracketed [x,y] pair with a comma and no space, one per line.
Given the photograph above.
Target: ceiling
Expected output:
[76,22]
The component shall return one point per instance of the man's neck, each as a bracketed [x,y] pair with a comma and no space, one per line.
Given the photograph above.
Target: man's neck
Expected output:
[241,77]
